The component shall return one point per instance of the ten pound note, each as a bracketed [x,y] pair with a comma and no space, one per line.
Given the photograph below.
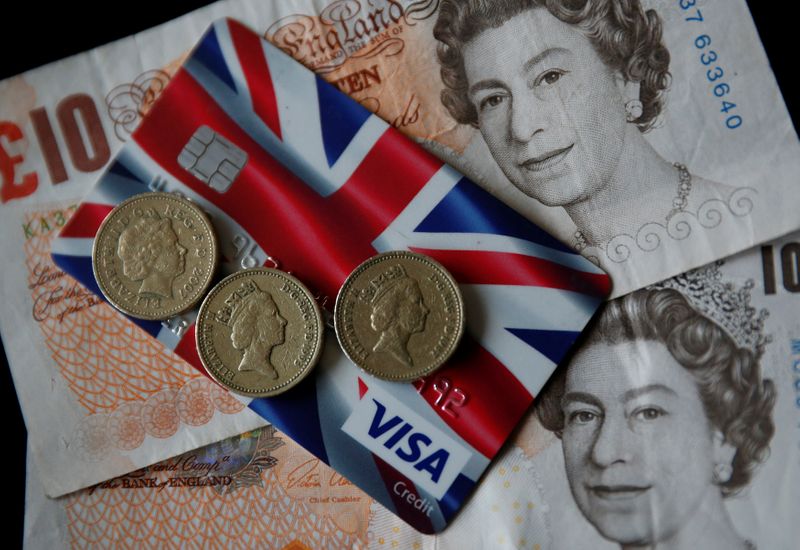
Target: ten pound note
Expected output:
[649,135]
[99,397]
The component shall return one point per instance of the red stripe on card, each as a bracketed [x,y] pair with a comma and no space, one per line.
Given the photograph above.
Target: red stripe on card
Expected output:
[86,221]
[478,267]
[250,50]
[477,396]
[321,240]
[393,172]
[362,388]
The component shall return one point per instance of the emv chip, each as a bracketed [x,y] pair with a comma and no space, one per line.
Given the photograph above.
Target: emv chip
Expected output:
[212,158]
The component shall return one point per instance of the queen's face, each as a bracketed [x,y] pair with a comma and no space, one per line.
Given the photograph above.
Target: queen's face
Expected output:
[550,110]
[276,329]
[412,312]
[172,258]
[265,321]
[637,444]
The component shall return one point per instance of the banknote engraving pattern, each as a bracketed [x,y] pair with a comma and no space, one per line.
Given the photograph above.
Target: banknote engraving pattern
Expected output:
[713,214]
[258,489]
[194,404]
[116,372]
[128,103]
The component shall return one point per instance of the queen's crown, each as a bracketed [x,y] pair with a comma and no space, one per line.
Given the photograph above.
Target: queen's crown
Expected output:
[381,284]
[724,304]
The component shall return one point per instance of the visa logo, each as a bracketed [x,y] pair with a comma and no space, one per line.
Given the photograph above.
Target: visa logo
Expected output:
[410,443]
[433,463]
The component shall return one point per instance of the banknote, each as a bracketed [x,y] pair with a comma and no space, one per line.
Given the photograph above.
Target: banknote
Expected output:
[258,489]
[98,396]
[684,154]
[636,448]
[625,431]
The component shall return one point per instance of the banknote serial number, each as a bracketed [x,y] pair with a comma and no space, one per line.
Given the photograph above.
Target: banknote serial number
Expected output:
[714,72]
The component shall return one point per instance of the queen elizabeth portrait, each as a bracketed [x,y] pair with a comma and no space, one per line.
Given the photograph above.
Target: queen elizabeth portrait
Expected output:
[398,312]
[150,252]
[257,326]
[663,414]
[563,92]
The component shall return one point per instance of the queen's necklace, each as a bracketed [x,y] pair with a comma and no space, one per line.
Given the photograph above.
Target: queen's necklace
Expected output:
[679,203]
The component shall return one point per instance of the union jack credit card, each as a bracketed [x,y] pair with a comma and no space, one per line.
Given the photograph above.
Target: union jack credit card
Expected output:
[296,174]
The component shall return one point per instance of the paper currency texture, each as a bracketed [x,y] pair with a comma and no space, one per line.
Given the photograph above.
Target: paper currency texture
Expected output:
[98,396]
[649,135]
[675,422]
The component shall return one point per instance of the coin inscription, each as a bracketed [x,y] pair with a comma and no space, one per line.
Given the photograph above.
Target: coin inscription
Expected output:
[399,315]
[154,255]
[259,332]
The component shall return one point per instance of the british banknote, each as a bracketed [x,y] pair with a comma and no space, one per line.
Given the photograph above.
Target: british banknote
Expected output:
[99,397]
[261,489]
[258,489]
[650,135]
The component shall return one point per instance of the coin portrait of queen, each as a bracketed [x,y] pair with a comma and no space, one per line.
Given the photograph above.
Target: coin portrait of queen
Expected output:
[256,328]
[563,93]
[150,252]
[663,413]
[398,312]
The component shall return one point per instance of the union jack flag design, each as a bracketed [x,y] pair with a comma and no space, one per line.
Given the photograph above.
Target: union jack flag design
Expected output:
[294,173]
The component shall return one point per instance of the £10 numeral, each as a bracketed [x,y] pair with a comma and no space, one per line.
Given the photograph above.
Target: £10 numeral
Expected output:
[80,130]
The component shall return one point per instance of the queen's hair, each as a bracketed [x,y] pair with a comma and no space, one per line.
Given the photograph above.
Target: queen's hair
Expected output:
[141,245]
[386,306]
[250,317]
[626,37]
[736,400]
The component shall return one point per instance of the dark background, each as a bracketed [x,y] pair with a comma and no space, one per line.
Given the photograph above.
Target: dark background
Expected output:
[32,35]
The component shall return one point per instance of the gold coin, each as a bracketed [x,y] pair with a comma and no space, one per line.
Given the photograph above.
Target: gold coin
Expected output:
[155,255]
[399,315]
[259,332]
